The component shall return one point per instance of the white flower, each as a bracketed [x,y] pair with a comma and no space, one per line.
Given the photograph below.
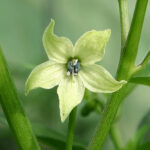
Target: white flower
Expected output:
[73,68]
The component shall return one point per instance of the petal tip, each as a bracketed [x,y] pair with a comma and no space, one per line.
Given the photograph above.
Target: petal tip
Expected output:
[52,24]
[123,82]
[49,29]
[63,116]
[62,119]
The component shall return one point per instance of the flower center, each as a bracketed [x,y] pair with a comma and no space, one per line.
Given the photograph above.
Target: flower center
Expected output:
[73,67]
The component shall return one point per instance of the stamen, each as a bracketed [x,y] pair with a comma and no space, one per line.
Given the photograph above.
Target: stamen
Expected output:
[73,67]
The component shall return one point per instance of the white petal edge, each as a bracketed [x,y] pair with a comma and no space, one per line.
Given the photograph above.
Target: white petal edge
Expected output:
[46,75]
[97,79]
[90,47]
[58,49]
[70,92]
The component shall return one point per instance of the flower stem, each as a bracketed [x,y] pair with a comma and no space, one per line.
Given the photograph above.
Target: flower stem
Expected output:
[13,110]
[116,137]
[125,71]
[71,127]
[124,20]
[144,63]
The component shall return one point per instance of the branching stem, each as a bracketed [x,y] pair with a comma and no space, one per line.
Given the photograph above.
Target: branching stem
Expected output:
[143,64]
[125,71]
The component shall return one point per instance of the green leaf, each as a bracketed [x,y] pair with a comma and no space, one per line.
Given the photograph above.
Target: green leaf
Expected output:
[141,139]
[134,143]
[49,137]
[93,103]
[145,146]
[145,141]
[141,80]
[91,106]
[90,47]
[54,139]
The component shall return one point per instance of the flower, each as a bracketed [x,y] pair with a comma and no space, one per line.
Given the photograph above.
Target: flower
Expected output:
[73,68]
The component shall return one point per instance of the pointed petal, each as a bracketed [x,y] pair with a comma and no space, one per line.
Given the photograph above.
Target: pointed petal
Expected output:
[97,79]
[90,47]
[58,49]
[70,92]
[46,75]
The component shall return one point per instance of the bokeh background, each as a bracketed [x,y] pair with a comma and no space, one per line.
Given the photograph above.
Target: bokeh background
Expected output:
[22,23]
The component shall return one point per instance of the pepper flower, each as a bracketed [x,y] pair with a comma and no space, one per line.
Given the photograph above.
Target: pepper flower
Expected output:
[73,68]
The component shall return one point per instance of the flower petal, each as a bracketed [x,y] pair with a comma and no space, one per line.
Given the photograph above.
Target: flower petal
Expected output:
[90,47]
[58,49]
[97,79]
[46,75]
[70,92]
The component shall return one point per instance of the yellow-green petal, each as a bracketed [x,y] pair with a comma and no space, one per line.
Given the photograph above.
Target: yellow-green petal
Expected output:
[46,75]
[98,79]
[90,47]
[58,49]
[70,92]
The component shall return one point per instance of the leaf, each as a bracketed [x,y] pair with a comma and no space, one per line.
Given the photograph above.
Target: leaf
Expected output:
[141,139]
[91,106]
[145,141]
[141,80]
[49,137]
[54,139]
[145,146]
[134,143]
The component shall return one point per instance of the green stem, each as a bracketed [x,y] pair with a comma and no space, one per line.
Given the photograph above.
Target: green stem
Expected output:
[13,110]
[128,57]
[125,71]
[71,127]
[124,19]
[116,137]
[144,63]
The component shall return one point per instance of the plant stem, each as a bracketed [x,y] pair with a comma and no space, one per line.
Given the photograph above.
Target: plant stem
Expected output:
[128,57]
[13,110]
[71,127]
[125,70]
[144,63]
[124,20]
[116,137]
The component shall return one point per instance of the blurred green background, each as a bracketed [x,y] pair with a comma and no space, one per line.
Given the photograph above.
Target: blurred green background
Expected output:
[22,23]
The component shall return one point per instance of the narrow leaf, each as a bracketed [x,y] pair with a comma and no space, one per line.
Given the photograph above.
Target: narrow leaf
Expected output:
[54,139]
[49,137]
[145,140]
